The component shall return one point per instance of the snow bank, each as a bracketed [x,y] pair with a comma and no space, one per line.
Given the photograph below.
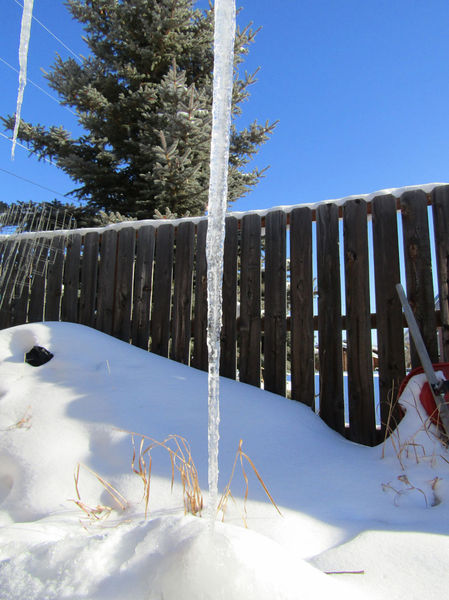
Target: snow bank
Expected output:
[369,511]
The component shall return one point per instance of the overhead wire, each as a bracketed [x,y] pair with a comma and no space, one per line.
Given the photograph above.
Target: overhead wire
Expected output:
[65,196]
[79,59]
[77,56]
[27,149]
[37,86]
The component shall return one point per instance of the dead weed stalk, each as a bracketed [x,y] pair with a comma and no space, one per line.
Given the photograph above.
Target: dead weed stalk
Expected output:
[410,448]
[409,487]
[23,423]
[240,455]
[181,461]
[100,511]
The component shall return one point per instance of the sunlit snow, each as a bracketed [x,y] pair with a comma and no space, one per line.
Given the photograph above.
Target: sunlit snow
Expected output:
[377,518]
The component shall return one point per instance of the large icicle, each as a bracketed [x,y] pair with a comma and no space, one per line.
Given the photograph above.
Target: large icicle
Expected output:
[218,191]
[27,15]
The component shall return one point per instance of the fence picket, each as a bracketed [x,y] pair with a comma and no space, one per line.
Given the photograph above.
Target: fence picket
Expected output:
[124,284]
[362,419]
[37,295]
[107,281]
[143,281]
[390,331]
[162,288]
[228,356]
[7,269]
[53,289]
[69,305]
[440,201]
[89,276]
[301,301]
[275,334]
[250,321]
[418,270]
[199,357]
[181,333]
[329,318]
[19,285]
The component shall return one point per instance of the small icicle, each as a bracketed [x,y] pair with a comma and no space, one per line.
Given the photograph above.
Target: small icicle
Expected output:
[27,15]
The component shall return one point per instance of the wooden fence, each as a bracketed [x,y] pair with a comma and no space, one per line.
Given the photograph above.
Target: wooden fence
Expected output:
[298,286]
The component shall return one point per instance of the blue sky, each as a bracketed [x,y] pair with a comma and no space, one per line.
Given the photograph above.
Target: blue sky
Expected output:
[361,90]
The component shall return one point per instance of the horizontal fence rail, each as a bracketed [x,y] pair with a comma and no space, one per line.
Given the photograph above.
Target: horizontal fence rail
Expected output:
[310,308]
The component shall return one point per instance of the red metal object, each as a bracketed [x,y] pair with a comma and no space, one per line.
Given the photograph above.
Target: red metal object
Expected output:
[425,396]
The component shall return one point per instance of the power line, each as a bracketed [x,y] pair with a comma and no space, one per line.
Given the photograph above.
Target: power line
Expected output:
[27,149]
[36,184]
[78,58]
[37,86]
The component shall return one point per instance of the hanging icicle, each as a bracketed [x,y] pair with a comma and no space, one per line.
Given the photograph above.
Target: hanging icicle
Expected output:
[23,57]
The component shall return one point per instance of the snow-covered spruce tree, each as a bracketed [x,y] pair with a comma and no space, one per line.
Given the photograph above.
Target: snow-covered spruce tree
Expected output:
[144,96]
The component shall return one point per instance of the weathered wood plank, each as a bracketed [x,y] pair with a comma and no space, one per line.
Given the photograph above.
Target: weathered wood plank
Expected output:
[19,303]
[16,280]
[275,334]
[440,201]
[389,321]
[250,321]
[121,327]
[107,281]
[418,270]
[162,290]
[199,358]
[182,295]
[69,305]
[37,295]
[143,281]
[228,352]
[53,289]
[329,318]
[8,275]
[301,306]
[362,418]
[89,277]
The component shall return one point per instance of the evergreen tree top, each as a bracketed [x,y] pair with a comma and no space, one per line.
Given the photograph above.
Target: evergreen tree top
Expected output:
[143,96]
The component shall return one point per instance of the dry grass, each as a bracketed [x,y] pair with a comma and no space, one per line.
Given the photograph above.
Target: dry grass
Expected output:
[409,487]
[410,448]
[181,461]
[240,455]
[23,423]
[100,511]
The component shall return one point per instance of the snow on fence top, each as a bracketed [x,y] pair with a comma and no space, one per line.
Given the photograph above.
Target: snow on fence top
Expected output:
[396,192]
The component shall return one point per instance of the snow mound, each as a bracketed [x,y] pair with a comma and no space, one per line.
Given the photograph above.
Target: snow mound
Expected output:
[62,534]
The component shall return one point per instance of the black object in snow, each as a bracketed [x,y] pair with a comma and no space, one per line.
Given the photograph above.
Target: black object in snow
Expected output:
[38,356]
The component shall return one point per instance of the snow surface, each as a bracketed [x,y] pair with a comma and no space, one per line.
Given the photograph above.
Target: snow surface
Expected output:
[379,514]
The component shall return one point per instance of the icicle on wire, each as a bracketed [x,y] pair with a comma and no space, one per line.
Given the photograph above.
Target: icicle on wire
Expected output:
[25,30]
